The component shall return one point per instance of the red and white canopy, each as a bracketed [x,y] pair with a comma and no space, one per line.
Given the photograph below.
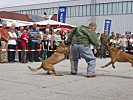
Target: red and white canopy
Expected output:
[54,24]
[18,23]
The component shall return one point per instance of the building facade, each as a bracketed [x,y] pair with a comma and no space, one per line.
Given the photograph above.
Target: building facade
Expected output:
[85,11]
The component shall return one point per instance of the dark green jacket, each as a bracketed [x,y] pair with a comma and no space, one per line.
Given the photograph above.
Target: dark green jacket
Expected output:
[104,39]
[83,35]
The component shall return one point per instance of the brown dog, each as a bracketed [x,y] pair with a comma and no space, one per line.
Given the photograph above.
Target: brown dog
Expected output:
[57,57]
[118,56]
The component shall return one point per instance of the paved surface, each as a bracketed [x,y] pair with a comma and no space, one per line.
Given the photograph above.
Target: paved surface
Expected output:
[18,83]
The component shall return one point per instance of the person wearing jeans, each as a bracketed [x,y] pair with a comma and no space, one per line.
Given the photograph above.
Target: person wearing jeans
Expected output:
[80,38]
[35,35]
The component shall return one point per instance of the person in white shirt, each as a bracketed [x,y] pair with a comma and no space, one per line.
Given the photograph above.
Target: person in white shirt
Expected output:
[123,42]
[57,39]
[12,45]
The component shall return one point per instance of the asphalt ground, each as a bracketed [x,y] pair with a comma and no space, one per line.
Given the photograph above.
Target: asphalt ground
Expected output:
[18,83]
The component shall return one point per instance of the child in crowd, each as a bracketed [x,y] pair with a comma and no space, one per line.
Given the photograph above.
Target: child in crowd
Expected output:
[44,47]
[24,41]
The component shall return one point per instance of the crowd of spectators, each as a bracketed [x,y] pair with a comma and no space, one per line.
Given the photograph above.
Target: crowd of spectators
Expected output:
[36,43]
[33,42]
[121,41]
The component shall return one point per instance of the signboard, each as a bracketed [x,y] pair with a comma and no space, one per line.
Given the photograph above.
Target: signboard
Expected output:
[107,25]
[128,33]
[62,14]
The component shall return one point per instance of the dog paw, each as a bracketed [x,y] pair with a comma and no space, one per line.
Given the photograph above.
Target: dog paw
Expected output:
[102,66]
[59,75]
[48,73]
[113,67]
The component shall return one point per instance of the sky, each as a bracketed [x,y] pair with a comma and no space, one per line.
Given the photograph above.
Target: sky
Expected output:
[10,3]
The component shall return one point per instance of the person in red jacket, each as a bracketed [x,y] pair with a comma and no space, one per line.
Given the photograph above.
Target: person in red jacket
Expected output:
[24,40]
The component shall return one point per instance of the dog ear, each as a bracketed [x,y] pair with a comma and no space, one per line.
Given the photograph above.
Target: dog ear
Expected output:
[67,43]
[61,44]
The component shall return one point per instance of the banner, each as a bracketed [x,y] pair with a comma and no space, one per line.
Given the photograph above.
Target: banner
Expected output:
[107,25]
[128,33]
[62,14]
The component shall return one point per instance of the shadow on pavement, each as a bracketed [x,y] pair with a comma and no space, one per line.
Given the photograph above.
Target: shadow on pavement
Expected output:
[117,76]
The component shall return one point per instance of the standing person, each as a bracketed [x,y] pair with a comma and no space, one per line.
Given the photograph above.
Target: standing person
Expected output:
[50,38]
[80,38]
[116,41]
[4,42]
[19,42]
[112,36]
[123,42]
[0,46]
[104,40]
[29,44]
[35,43]
[12,45]
[57,39]
[24,41]
[0,39]
[44,47]
[98,48]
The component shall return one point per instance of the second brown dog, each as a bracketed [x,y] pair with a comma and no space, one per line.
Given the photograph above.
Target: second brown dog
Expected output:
[118,56]
[60,53]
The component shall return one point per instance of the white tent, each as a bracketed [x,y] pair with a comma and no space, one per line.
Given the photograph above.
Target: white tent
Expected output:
[53,23]
[17,22]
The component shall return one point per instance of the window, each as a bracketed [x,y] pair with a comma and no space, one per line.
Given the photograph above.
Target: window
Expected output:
[55,10]
[124,7]
[39,12]
[44,11]
[49,11]
[72,11]
[88,10]
[97,9]
[29,12]
[32,12]
[76,10]
[80,10]
[129,7]
[35,12]
[114,8]
[92,10]
[101,9]
[105,9]
[110,8]
[20,12]
[52,11]
[84,10]
[16,11]
[68,11]
[132,7]
[120,8]
[23,12]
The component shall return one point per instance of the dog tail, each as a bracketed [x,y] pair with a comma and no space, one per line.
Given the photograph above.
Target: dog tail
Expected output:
[34,70]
